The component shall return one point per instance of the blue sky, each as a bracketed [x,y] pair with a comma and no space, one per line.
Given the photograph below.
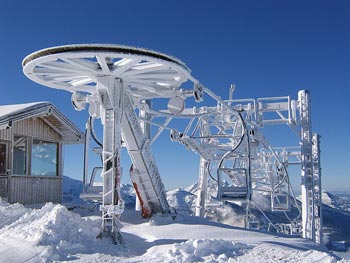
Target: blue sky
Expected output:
[267,48]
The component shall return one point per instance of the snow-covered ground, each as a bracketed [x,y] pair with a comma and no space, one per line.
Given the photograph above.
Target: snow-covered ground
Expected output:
[52,233]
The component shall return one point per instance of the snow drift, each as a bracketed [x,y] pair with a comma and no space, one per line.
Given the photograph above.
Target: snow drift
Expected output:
[52,233]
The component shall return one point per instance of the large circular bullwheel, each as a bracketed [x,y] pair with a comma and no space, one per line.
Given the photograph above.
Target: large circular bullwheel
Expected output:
[145,73]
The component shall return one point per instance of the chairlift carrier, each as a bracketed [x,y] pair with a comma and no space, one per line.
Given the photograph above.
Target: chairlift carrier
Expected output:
[115,80]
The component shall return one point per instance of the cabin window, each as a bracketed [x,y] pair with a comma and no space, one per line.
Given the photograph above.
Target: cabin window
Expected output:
[20,147]
[44,158]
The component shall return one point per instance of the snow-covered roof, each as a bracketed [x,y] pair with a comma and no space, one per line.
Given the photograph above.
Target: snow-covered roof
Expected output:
[11,113]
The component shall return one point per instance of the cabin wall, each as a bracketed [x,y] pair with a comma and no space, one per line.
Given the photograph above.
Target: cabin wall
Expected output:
[3,186]
[37,128]
[34,189]
[6,134]
[32,127]
[29,189]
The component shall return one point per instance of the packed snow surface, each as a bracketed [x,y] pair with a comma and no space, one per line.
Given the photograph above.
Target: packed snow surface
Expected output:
[52,233]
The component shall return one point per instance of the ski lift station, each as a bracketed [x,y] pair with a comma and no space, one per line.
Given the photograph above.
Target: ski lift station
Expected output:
[138,94]
[31,139]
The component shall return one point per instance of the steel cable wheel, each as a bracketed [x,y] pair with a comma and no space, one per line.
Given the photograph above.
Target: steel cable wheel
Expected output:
[145,73]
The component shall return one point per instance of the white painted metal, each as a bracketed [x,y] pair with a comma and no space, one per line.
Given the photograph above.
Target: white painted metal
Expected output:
[317,187]
[202,192]
[144,174]
[146,129]
[228,135]
[112,78]
[268,165]
[91,191]
[111,92]
[86,157]
[307,183]
[146,73]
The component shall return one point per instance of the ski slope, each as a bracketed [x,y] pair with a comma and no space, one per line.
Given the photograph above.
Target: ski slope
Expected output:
[52,233]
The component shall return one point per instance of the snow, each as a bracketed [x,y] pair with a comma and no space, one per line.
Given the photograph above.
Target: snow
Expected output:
[52,233]
[339,201]
[12,109]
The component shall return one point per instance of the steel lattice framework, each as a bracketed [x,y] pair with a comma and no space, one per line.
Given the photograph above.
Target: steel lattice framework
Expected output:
[126,88]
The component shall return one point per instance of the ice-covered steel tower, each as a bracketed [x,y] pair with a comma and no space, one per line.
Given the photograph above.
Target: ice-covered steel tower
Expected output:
[113,80]
[133,90]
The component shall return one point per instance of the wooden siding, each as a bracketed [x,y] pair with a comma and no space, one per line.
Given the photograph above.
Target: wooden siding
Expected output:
[6,134]
[31,189]
[31,127]
[36,127]
[35,189]
[3,186]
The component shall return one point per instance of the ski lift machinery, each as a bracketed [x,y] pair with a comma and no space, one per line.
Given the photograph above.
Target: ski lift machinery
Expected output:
[117,81]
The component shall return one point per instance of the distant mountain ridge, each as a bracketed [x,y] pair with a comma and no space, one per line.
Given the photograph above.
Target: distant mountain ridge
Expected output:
[72,188]
[337,201]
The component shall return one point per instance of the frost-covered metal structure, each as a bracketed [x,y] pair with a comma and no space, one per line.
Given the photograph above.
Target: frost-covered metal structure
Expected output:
[249,164]
[132,89]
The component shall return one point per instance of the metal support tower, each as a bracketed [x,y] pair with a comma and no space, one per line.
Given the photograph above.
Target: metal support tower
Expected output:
[250,158]
[113,80]
[317,187]
[309,215]
[117,81]
[111,93]
[202,192]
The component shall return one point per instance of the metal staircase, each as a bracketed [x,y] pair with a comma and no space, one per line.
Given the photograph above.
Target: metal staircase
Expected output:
[144,172]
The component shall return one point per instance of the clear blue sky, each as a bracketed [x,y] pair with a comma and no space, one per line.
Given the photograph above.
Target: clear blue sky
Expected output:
[267,48]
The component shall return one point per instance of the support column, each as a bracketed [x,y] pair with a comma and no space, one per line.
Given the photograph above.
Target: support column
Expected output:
[86,157]
[202,191]
[111,96]
[307,182]
[317,187]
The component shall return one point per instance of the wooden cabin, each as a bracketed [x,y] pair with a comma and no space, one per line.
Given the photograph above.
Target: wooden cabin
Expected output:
[31,140]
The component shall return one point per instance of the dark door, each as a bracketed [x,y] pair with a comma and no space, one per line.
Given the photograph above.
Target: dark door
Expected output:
[3,158]
[3,168]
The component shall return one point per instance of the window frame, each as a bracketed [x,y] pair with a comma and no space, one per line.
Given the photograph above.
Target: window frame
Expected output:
[29,157]
[27,152]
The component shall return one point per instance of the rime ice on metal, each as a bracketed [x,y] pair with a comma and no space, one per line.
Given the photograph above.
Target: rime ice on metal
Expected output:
[118,81]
